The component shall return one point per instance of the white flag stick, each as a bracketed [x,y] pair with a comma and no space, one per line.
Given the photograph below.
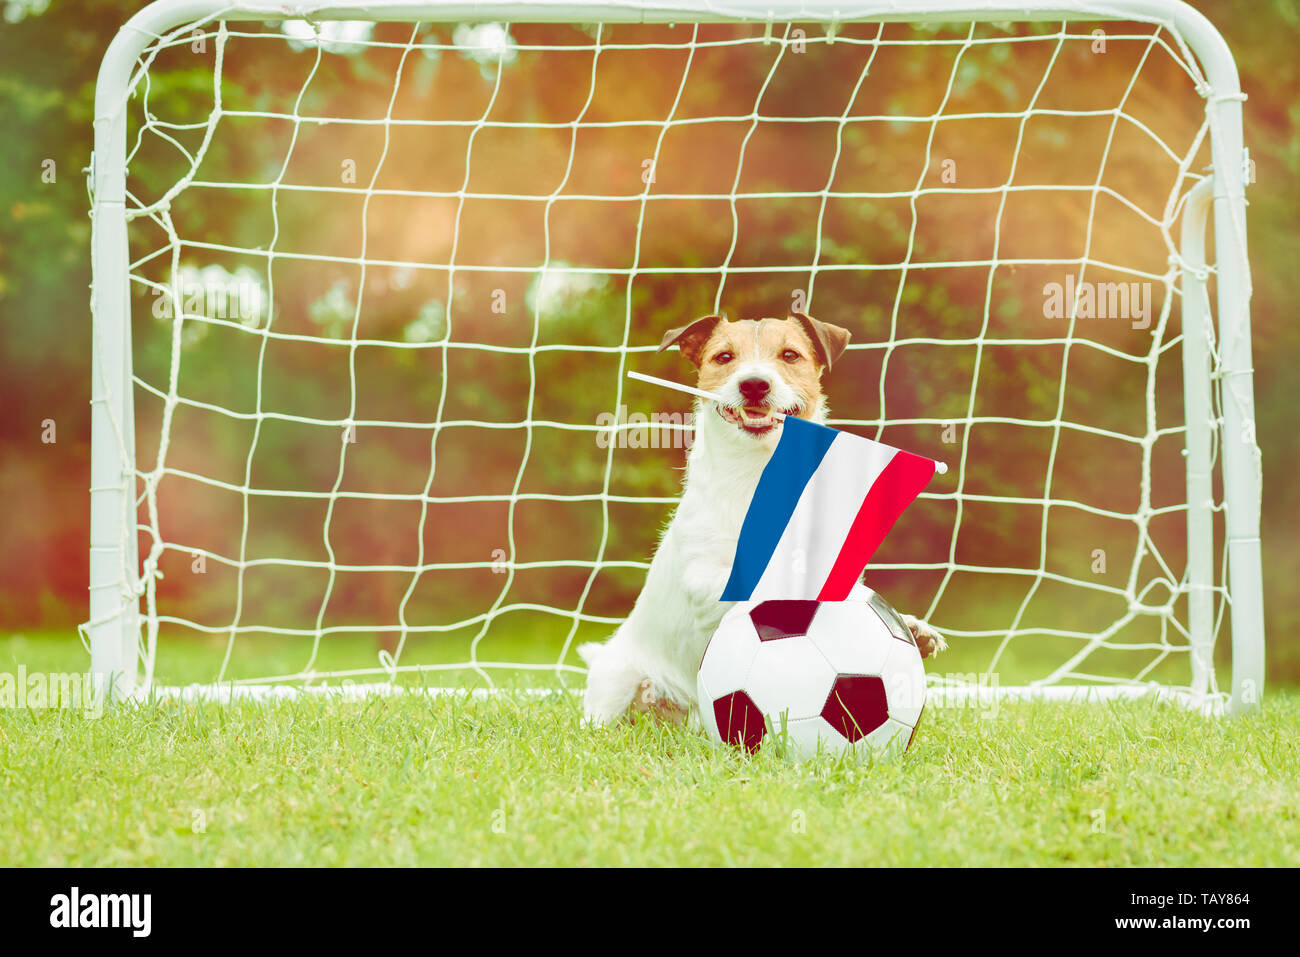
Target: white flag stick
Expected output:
[940,467]
[689,390]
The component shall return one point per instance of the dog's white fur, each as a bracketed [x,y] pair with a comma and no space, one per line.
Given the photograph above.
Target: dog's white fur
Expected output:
[655,654]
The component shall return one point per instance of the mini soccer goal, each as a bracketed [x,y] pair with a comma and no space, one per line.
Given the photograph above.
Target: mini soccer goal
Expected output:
[369,279]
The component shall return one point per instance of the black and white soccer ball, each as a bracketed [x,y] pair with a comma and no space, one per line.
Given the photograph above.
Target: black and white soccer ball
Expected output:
[829,676]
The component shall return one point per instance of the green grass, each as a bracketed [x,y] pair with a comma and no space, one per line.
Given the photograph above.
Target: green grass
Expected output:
[420,780]
[186,659]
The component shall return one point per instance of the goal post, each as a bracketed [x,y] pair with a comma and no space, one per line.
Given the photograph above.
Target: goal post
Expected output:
[1203,314]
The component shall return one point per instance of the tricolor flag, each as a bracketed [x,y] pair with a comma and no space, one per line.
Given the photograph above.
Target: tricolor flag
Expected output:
[824,503]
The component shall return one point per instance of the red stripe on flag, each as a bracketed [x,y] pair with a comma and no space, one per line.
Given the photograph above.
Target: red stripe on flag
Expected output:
[898,484]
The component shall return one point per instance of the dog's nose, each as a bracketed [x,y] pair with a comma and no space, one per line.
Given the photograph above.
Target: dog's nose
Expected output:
[755,390]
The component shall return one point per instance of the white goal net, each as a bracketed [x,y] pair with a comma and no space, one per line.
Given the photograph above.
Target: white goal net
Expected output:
[367,293]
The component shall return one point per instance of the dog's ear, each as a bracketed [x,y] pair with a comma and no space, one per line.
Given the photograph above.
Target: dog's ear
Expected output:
[829,341]
[691,337]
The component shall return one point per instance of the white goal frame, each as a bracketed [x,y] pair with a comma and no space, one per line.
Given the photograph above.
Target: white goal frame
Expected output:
[115,615]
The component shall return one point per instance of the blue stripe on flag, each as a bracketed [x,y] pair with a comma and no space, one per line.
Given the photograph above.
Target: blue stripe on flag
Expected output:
[800,451]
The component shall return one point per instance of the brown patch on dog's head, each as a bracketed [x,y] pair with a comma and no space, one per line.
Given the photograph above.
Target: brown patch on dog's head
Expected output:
[830,341]
[691,337]
[796,351]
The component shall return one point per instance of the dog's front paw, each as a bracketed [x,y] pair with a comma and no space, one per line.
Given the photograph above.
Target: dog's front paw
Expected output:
[649,700]
[929,641]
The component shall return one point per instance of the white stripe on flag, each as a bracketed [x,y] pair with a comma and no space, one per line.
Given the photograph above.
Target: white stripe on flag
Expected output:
[812,540]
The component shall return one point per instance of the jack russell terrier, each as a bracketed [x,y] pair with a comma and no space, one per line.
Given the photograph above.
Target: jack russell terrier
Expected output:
[758,367]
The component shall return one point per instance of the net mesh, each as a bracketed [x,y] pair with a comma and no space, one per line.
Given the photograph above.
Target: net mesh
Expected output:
[388,281]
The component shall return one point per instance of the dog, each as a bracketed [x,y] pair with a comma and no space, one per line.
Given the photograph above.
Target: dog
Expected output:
[758,367]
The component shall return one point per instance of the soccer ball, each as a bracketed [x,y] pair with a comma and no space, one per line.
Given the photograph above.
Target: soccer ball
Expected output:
[827,675]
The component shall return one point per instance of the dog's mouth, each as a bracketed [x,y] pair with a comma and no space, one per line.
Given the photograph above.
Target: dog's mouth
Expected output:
[754,419]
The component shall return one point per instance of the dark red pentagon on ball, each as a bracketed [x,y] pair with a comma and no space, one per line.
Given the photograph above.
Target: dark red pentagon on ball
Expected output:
[856,706]
[740,722]
[783,618]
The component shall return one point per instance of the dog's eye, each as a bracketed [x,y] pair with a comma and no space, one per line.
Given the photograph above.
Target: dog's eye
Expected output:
[722,358]
[791,356]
